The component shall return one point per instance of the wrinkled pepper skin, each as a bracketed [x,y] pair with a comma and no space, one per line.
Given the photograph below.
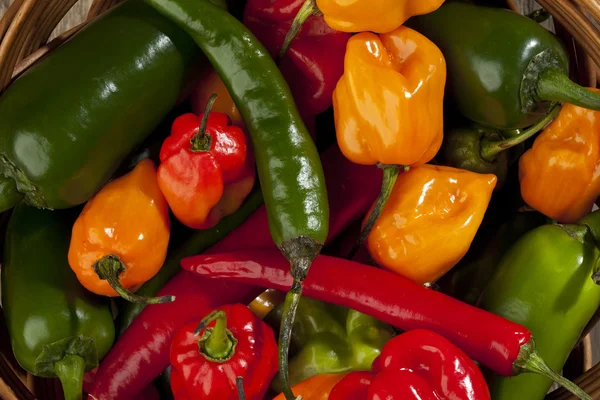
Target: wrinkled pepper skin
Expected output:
[42,300]
[429,221]
[363,15]
[316,388]
[128,218]
[69,121]
[314,62]
[558,175]
[487,59]
[388,105]
[543,282]
[329,339]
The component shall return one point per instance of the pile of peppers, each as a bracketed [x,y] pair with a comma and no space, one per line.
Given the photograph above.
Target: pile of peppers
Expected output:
[314,199]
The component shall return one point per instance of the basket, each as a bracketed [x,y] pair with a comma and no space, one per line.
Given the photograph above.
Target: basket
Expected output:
[27,26]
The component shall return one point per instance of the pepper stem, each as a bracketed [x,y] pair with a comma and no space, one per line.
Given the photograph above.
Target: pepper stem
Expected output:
[239,381]
[70,371]
[308,9]
[490,149]
[216,344]
[109,268]
[556,86]
[530,361]
[201,141]
[390,175]
[290,307]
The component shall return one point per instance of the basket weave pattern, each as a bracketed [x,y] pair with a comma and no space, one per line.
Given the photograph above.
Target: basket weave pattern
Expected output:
[27,25]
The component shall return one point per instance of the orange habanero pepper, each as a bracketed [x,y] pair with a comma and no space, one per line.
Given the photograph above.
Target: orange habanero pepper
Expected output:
[560,174]
[430,220]
[388,105]
[120,239]
[209,84]
[317,387]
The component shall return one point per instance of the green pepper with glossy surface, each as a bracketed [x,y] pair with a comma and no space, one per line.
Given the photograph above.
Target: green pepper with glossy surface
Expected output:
[547,282]
[57,328]
[504,69]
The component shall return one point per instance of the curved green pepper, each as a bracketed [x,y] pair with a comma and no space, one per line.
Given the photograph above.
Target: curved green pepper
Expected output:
[546,283]
[330,339]
[69,121]
[56,327]
[504,69]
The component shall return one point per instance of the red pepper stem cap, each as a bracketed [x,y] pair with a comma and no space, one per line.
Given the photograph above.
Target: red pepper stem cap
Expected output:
[201,141]
[109,268]
[308,9]
[216,344]
[390,175]
[239,381]
[530,361]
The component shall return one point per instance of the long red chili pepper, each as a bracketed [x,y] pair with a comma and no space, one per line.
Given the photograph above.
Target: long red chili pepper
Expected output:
[142,352]
[501,345]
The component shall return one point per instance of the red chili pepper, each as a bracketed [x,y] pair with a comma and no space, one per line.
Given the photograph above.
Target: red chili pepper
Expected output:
[230,342]
[207,168]
[142,352]
[418,365]
[503,346]
[315,60]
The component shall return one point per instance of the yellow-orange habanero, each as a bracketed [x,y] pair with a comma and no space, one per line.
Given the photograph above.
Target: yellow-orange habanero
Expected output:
[430,220]
[120,239]
[560,174]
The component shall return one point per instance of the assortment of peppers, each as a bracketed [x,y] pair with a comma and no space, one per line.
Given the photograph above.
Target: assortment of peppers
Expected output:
[386,72]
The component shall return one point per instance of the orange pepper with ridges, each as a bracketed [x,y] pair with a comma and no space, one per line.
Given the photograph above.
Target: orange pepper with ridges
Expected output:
[430,220]
[317,387]
[120,239]
[560,174]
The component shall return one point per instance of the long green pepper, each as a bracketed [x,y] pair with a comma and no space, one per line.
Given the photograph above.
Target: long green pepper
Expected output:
[289,168]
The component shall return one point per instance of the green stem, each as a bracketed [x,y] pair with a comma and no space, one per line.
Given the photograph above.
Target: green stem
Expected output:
[490,149]
[202,141]
[556,86]
[239,381]
[530,361]
[390,175]
[308,9]
[290,307]
[540,15]
[9,195]
[70,371]
[110,268]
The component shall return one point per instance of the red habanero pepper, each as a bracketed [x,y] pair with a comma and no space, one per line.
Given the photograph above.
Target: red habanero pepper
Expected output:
[142,352]
[207,168]
[314,62]
[230,342]
[505,347]
[418,365]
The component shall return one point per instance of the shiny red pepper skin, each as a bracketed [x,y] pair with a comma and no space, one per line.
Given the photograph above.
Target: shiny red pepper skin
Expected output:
[205,177]
[417,365]
[314,62]
[142,352]
[254,358]
[391,298]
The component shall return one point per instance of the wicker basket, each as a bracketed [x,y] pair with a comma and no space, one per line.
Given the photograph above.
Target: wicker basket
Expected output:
[28,24]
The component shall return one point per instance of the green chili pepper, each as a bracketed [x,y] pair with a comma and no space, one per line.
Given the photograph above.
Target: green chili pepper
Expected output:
[56,327]
[289,168]
[69,121]
[330,339]
[504,69]
[546,283]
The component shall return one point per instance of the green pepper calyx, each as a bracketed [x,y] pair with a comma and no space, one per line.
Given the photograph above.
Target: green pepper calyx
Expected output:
[536,76]
[110,268]
[16,186]
[216,344]
[201,141]
[70,371]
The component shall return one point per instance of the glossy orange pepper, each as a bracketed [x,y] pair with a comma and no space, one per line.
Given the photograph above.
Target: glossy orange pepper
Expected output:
[366,15]
[389,103]
[317,387]
[560,174]
[430,220]
[122,234]
[209,84]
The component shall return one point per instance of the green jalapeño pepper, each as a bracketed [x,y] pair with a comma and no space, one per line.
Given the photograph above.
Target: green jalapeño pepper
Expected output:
[504,69]
[289,168]
[330,339]
[56,327]
[69,121]
[546,282]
